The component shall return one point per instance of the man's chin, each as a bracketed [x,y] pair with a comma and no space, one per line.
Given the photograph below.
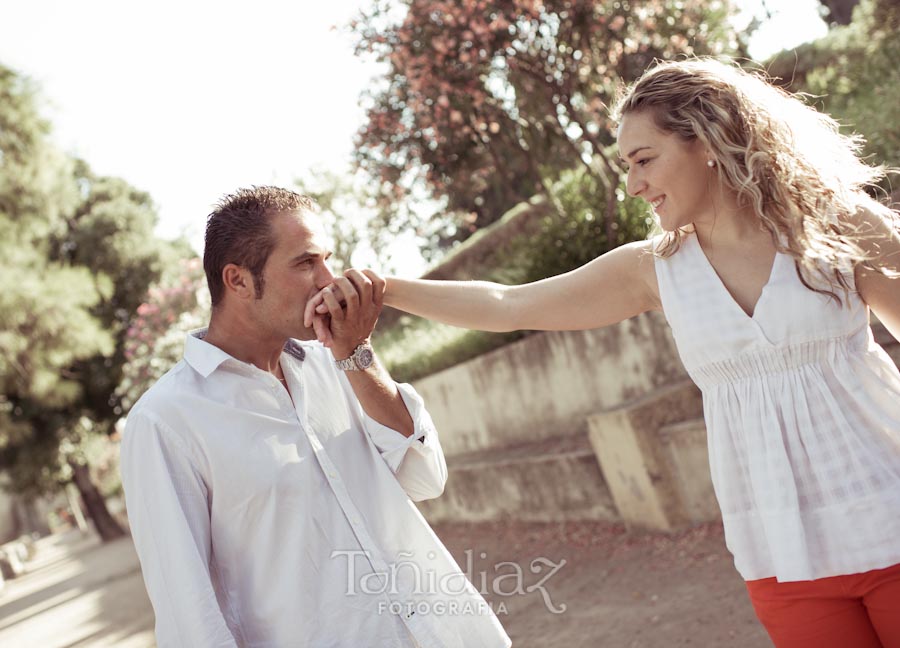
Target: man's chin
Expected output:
[303,333]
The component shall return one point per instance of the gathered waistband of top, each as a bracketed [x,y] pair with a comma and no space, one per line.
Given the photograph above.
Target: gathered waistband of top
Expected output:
[780,359]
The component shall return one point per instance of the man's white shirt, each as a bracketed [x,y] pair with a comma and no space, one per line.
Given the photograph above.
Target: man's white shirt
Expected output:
[265,521]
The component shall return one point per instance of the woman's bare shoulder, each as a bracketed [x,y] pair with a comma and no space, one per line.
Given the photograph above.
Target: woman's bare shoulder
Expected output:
[644,259]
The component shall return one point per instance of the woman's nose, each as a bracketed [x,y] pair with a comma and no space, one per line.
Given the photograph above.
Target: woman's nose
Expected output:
[633,185]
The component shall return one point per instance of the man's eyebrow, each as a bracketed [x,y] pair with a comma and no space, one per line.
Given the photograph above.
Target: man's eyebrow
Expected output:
[306,256]
[311,254]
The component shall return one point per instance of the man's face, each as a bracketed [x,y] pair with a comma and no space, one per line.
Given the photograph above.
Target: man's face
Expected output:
[295,270]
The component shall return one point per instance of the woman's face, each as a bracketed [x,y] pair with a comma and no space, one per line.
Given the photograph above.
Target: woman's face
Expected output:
[665,170]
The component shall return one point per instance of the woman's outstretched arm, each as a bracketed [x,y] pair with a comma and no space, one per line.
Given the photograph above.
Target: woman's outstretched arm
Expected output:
[611,288]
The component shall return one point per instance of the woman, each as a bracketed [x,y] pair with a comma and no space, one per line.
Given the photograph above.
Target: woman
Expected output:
[771,256]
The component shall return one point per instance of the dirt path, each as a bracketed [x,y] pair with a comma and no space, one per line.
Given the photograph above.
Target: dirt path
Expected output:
[617,589]
[76,593]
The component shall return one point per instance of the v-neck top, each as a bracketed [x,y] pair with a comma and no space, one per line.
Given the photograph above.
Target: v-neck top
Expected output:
[802,409]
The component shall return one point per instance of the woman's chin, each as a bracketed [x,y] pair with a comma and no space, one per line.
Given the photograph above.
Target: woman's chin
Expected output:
[665,224]
[669,224]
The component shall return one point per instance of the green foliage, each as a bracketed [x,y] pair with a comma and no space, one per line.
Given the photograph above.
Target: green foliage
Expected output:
[862,88]
[46,318]
[39,312]
[21,127]
[854,74]
[564,244]
[77,256]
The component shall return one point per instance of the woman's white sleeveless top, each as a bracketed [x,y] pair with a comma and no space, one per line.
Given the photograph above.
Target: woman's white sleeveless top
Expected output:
[802,411]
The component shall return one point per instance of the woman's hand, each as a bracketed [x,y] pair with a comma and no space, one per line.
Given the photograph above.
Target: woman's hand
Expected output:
[344,313]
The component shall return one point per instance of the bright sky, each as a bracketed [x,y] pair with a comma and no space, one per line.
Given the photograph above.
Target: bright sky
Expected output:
[192,99]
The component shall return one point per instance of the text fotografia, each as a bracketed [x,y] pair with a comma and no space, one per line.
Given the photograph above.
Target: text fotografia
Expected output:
[508,579]
[439,608]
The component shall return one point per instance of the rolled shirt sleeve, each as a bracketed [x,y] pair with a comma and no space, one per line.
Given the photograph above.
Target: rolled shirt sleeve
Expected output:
[418,460]
[169,516]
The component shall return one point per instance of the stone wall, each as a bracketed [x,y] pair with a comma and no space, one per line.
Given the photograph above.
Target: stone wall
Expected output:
[549,383]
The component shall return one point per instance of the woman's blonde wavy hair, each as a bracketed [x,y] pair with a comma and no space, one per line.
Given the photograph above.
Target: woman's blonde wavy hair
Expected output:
[803,178]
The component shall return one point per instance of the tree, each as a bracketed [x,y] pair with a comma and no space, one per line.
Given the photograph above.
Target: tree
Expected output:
[111,234]
[485,102]
[77,261]
[46,323]
[851,73]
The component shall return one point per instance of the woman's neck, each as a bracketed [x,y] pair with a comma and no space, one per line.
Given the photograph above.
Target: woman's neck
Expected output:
[727,224]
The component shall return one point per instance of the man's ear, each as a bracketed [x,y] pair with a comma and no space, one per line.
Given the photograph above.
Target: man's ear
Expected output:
[239,281]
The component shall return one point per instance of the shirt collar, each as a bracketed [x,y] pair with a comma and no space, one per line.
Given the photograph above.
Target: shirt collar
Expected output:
[206,358]
[203,356]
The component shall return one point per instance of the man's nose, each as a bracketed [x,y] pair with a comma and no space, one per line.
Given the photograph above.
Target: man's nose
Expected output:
[324,276]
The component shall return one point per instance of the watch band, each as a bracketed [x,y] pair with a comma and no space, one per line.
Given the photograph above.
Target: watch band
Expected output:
[347,364]
[362,358]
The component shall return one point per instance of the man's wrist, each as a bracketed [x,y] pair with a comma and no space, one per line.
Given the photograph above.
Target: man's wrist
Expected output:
[343,351]
[361,358]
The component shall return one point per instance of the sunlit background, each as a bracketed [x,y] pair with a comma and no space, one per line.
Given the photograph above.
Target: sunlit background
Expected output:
[502,169]
[190,100]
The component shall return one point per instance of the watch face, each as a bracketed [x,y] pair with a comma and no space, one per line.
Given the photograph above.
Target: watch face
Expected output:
[364,358]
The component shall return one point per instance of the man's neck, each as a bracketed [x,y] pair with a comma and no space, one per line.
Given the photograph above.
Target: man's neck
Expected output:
[242,341]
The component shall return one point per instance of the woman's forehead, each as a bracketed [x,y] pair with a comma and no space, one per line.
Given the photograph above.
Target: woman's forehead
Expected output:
[637,129]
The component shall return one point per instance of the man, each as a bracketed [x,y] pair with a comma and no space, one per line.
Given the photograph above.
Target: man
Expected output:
[269,480]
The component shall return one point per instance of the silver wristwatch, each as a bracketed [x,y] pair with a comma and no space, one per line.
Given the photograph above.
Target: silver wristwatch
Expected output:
[361,359]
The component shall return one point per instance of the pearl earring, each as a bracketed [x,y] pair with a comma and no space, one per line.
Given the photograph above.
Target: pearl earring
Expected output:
[710,163]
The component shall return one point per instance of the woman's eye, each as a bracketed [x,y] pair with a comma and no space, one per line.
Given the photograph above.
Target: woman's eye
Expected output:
[643,162]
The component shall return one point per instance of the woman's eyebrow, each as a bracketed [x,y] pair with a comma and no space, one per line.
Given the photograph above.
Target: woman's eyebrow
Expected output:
[634,152]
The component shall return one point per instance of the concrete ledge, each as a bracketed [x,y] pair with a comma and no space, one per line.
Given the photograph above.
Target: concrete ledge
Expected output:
[549,481]
[641,474]
[548,384]
[688,457]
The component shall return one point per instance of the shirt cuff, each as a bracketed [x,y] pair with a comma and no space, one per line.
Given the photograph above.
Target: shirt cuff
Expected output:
[391,444]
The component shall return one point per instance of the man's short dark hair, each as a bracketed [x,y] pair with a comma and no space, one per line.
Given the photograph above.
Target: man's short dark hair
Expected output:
[239,231]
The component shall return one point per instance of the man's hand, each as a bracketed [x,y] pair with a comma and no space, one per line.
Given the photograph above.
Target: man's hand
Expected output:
[352,303]
[343,316]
